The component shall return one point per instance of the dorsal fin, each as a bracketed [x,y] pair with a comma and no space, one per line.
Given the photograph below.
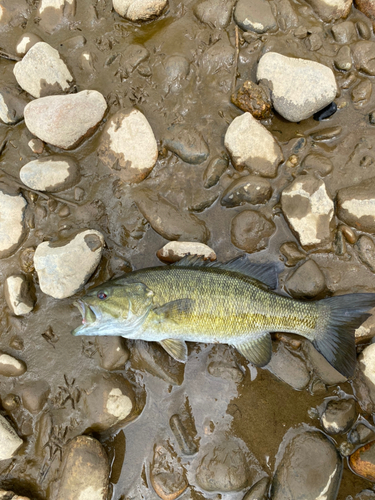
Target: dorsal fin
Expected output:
[265,273]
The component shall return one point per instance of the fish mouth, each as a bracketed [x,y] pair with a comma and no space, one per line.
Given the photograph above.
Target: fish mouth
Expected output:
[89,317]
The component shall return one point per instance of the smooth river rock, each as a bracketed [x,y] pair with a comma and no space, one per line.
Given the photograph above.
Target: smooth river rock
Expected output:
[252,146]
[330,10]
[307,281]
[299,87]
[363,56]
[52,173]
[64,120]
[356,205]
[248,189]
[12,105]
[85,470]
[187,143]
[366,365]
[255,15]
[9,440]
[42,72]
[62,270]
[309,211]
[53,13]
[12,226]
[168,220]
[128,146]
[10,366]
[17,295]
[310,469]
[251,231]
[176,250]
[168,476]
[139,10]
[214,13]
[339,416]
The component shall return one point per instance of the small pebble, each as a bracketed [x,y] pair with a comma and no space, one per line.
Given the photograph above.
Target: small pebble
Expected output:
[344,32]
[187,143]
[183,438]
[307,281]
[113,353]
[292,253]
[11,367]
[363,30]
[35,395]
[139,11]
[9,440]
[168,477]
[361,93]
[325,112]
[362,461]
[36,146]
[11,402]
[254,99]
[251,231]
[215,170]
[248,189]
[349,234]
[339,416]
[9,495]
[327,134]
[17,295]
[176,250]
[343,59]
[259,491]
[52,173]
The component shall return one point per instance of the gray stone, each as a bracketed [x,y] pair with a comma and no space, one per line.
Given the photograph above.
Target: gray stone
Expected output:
[17,295]
[214,13]
[288,368]
[307,281]
[252,146]
[109,401]
[344,32]
[330,10]
[339,416]
[343,59]
[214,171]
[187,143]
[12,227]
[25,42]
[183,437]
[139,10]
[55,13]
[65,120]
[128,146]
[322,368]
[259,491]
[363,55]
[223,467]
[363,29]
[248,189]
[299,87]
[310,468]
[42,72]
[251,231]
[366,251]
[170,221]
[356,205]
[10,366]
[51,173]
[309,211]
[62,270]
[255,15]
[176,250]
[9,441]
[12,104]
[84,471]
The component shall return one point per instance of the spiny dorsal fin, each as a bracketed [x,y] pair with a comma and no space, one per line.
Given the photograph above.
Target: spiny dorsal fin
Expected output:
[175,348]
[265,273]
[257,350]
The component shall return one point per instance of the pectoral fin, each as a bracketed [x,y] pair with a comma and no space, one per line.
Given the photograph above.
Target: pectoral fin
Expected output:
[257,349]
[175,348]
[174,310]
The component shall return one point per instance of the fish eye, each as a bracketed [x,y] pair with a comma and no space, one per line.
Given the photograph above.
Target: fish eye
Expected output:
[102,295]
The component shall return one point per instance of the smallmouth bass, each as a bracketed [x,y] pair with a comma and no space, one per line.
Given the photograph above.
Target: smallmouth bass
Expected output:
[232,303]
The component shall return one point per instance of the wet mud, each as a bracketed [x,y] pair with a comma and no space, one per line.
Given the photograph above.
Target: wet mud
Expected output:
[180,71]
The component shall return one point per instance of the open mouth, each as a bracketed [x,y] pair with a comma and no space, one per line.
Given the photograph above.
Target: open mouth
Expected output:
[88,316]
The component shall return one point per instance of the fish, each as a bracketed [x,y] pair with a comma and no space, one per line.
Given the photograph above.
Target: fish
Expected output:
[235,303]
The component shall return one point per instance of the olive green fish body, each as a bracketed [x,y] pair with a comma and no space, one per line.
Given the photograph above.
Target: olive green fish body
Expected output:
[231,303]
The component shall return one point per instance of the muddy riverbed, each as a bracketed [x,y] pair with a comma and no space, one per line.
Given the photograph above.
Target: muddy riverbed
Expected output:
[157,151]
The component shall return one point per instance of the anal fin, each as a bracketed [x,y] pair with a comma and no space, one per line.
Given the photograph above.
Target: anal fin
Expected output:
[175,348]
[257,349]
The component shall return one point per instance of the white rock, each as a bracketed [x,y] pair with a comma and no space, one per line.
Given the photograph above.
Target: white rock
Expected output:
[367,363]
[11,367]
[17,295]
[12,228]
[299,87]
[42,72]
[25,42]
[12,105]
[118,404]
[330,10]
[9,441]
[52,173]
[176,250]
[9,495]
[139,10]
[52,13]
[64,120]
[128,144]
[252,146]
[63,270]
[309,211]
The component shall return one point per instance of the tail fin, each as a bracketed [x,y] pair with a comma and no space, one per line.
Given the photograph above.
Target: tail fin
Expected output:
[341,315]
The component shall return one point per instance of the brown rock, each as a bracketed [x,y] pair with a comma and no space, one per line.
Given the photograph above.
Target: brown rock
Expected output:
[292,253]
[254,99]
[307,281]
[362,461]
[168,477]
[11,367]
[34,395]
[85,470]
[363,55]
[251,231]
[361,93]
[113,353]
[248,189]
[214,171]
[367,7]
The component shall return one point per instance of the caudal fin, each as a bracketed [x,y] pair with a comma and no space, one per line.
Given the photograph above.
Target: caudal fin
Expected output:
[341,316]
